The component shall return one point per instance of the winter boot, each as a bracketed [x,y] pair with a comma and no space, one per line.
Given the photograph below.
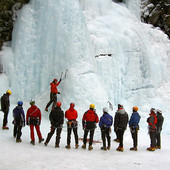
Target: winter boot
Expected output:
[46,109]
[108,148]
[41,140]
[117,140]
[120,149]
[158,147]
[76,146]
[45,143]
[57,146]
[103,148]
[133,149]
[5,128]
[67,146]
[151,148]
[84,146]
[32,142]
[90,148]
[18,140]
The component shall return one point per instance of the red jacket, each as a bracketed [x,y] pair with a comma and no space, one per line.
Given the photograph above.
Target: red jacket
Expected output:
[33,111]
[90,116]
[71,114]
[152,121]
[54,87]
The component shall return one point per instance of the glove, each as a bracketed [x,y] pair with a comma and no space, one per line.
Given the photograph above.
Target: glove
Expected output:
[58,93]
[27,123]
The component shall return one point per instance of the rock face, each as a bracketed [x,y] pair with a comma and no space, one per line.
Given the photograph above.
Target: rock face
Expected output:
[8,10]
[157,13]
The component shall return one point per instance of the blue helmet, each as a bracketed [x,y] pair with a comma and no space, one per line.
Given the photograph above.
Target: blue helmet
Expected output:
[20,103]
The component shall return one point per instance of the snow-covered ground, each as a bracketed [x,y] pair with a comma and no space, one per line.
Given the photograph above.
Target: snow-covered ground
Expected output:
[51,36]
[18,156]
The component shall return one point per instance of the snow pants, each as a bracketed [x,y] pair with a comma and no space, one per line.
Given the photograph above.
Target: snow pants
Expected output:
[5,120]
[120,134]
[37,127]
[153,138]
[17,131]
[53,99]
[158,139]
[50,134]
[117,135]
[105,132]
[86,131]
[69,129]
[134,133]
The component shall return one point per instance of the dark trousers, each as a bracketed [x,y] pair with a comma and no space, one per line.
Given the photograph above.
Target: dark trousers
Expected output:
[53,99]
[158,139]
[153,138]
[120,134]
[117,135]
[69,129]
[86,131]
[106,135]
[5,120]
[17,131]
[134,133]
[58,133]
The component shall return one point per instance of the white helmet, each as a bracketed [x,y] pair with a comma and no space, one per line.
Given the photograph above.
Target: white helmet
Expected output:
[159,111]
[105,109]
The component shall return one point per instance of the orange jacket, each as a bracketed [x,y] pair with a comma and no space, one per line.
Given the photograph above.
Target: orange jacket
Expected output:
[54,87]
[71,114]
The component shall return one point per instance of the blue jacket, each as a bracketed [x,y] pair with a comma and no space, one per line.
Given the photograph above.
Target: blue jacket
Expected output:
[106,121]
[134,120]
[19,116]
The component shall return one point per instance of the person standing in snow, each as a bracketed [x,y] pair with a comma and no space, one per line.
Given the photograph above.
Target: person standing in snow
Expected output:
[5,104]
[120,124]
[160,120]
[57,119]
[90,118]
[33,119]
[105,123]
[53,94]
[134,127]
[117,136]
[71,115]
[152,121]
[19,121]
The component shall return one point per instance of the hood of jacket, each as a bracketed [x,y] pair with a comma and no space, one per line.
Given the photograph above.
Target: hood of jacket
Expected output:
[91,111]
[121,111]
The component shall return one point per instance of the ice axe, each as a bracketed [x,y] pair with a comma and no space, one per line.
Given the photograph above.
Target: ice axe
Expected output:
[65,74]
[110,105]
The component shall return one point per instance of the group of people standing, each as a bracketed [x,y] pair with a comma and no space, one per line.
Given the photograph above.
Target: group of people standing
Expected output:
[89,121]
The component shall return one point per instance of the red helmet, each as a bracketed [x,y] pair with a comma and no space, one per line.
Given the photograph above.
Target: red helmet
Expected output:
[58,104]
[72,105]
[55,80]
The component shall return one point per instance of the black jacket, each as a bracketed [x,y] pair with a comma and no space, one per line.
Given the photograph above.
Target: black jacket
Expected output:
[56,117]
[160,120]
[121,120]
[5,103]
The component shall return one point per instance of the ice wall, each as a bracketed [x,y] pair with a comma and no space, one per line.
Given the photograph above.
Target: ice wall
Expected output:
[134,7]
[51,36]
[48,38]
[140,54]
